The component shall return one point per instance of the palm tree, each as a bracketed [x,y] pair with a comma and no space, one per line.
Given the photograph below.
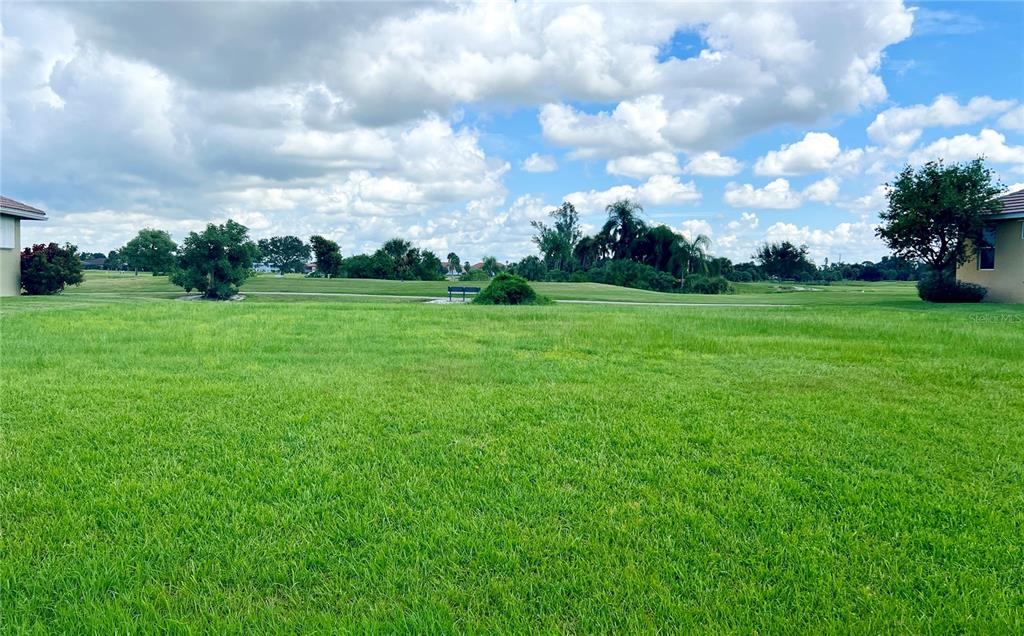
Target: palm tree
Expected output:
[397,248]
[399,251]
[587,252]
[623,227]
[454,263]
[691,256]
[656,248]
[492,266]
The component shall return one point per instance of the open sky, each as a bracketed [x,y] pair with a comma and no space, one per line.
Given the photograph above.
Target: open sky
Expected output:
[455,125]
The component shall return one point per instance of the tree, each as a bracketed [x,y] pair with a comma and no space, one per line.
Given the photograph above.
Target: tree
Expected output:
[491,266]
[359,266]
[668,251]
[216,261]
[658,248]
[558,243]
[393,259]
[327,255]
[48,269]
[454,263]
[286,253]
[936,213]
[150,251]
[588,252]
[430,266]
[784,260]
[114,260]
[531,268]
[623,227]
[692,256]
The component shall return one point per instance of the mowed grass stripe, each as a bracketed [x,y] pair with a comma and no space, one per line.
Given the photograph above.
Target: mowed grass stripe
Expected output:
[286,466]
[887,293]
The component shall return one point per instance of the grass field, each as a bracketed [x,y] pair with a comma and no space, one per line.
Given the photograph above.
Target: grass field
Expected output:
[99,282]
[852,463]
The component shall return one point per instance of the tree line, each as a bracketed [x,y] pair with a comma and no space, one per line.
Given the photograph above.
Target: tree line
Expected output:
[626,251]
[934,221]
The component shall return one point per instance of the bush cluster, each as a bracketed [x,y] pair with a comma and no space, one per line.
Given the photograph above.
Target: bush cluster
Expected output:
[474,275]
[509,289]
[47,269]
[627,273]
[946,289]
[699,284]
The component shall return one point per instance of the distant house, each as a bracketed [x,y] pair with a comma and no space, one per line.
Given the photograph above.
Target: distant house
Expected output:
[1000,268]
[94,263]
[11,214]
[264,268]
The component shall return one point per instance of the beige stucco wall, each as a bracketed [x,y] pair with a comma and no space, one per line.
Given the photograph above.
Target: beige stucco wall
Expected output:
[10,265]
[1005,283]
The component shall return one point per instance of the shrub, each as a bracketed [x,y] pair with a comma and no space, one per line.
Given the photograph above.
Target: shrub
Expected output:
[530,268]
[509,289]
[698,284]
[944,289]
[216,261]
[626,273]
[740,276]
[47,269]
[474,275]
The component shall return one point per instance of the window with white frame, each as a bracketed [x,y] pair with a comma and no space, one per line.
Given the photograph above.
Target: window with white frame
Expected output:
[987,255]
[7,225]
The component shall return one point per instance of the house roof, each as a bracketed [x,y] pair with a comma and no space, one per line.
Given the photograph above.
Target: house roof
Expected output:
[16,208]
[1013,206]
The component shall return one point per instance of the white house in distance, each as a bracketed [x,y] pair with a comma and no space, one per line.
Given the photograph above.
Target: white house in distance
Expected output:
[11,215]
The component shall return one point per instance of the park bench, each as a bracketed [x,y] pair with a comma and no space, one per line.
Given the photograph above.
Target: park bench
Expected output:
[464,290]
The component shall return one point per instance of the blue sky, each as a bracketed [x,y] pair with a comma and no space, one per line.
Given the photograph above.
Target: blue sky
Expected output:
[746,123]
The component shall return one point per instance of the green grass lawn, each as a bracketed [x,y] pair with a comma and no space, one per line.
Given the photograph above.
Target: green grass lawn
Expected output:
[100,282]
[325,467]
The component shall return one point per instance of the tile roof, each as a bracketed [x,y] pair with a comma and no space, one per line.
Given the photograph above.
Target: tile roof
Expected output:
[1013,203]
[17,206]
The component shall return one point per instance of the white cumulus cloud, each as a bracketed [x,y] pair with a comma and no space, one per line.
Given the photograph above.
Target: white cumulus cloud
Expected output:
[539,163]
[988,143]
[814,153]
[775,195]
[712,164]
[901,127]
[658,190]
[824,191]
[641,166]
[1013,120]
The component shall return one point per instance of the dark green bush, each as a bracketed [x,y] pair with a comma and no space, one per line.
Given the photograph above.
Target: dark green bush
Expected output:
[946,289]
[474,275]
[216,261]
[509,289]
[556,276]
[740,276]
[530,268]
[698,284]
[626,273]
[47,269]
